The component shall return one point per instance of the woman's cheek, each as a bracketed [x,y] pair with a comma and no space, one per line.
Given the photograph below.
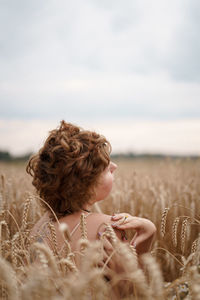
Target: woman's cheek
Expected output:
[105,188]
[108,185]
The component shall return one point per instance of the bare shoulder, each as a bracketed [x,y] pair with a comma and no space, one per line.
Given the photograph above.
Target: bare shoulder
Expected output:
[101,220]
[98,221]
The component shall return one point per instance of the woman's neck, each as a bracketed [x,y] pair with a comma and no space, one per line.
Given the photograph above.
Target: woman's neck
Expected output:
[84,209]
[87,208]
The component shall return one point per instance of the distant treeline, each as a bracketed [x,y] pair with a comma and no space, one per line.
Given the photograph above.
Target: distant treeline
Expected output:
[132,155]
[7,157]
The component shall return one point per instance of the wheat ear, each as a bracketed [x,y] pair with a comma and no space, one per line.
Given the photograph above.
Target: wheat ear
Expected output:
[83,226]
[25,213]
[194,245]
[163,221]
[194,280]
[174,231]
[67,238]
[46,256]
[53,238]
[69,264]
[132,273]
[155,276]
[183,234]
[3,224]
[7,275]
[110,233]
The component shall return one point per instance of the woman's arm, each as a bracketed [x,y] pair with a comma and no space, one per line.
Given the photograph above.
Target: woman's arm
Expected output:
[145,230]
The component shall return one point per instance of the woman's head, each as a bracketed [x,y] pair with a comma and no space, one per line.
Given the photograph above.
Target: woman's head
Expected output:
[66,169]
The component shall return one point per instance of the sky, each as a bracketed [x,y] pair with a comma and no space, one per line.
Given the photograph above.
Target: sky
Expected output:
[127,69]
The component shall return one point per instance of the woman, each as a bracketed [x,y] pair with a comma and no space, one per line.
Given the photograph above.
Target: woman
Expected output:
[71,172]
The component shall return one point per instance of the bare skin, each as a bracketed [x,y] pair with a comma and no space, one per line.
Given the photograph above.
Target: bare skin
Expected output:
[94,222]
[145,229]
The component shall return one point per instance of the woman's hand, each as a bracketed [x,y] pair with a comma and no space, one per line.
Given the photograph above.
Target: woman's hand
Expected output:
[145,230]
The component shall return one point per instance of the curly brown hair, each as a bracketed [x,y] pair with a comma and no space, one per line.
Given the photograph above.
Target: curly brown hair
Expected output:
[67,168]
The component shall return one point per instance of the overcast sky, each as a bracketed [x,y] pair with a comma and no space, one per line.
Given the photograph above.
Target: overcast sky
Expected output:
[118,66]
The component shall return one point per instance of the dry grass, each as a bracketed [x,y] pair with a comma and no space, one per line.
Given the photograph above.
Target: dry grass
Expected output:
[165,191]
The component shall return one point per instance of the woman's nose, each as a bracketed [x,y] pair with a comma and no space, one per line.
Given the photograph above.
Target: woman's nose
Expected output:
[113,166]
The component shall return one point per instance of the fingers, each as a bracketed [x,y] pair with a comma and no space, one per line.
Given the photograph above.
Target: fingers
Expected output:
[128,223]
[144,228]
[120,222]
[144,236]
[117,217]
[136,223]
[138,239]
[120,219]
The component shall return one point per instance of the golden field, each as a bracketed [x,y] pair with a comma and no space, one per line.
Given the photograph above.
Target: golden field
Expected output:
[165,191]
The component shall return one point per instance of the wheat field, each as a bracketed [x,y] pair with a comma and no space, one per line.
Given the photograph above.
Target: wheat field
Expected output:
[165,191]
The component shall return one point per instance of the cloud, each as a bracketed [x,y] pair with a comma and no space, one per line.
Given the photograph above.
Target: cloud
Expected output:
[99,59]
[168,137]
[103,97]
[19,137]
[68,36]
[184,62]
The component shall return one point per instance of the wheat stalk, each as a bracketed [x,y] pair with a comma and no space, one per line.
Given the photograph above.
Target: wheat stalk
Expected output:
[168,178]
[1,205]
[14,248]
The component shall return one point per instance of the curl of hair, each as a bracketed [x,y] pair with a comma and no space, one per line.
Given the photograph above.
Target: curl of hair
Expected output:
[66,169]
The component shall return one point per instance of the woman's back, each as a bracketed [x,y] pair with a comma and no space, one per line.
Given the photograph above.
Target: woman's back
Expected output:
[94,224]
